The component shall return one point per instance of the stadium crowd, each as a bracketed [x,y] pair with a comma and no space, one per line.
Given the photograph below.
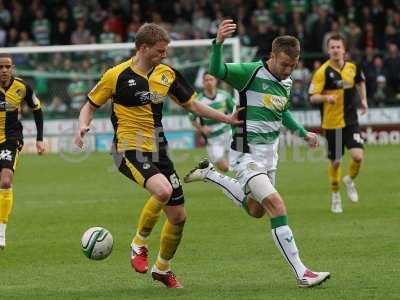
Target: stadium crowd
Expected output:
[371,28]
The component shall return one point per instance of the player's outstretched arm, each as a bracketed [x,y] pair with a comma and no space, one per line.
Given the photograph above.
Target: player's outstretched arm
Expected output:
[205,111]
[289,122]
[216,66]
[85,117]
[362,92]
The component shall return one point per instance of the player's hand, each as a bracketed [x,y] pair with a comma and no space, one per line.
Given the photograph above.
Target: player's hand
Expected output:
[80,135]
[40,148]
[225,30]
[234,119]
[364,107]
[205,130]
[331,99]
[312,139]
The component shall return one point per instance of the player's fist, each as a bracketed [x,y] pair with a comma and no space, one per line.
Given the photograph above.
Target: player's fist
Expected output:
[80,135]
[225,30]
[312,139]
[331,99]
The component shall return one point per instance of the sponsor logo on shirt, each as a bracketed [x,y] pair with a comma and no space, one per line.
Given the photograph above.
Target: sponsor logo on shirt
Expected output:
[275,102]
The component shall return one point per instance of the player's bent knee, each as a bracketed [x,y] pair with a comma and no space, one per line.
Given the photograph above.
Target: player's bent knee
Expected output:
[336,164]
[255,209]
[223,166]
[261,187]
[163,194]
[5,183]
[358,158]
[275,205]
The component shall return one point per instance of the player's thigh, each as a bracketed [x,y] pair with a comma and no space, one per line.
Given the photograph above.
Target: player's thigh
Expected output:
[136,165]
[9,157]
[166,167]
[354,142]
[335,143]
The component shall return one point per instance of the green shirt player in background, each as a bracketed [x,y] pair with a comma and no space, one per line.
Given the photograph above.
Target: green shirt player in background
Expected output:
[216,134]
[264,89]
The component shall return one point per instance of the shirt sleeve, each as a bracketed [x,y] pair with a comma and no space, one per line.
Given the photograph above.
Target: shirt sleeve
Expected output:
[289,122]
[31,99]
[229,103]
[235,74]
[103,90]
[360,77]
[317,82]
[180,90]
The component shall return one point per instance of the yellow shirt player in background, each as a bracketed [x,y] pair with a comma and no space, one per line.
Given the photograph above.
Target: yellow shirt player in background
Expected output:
[333,87]
[138,87]
[13,92]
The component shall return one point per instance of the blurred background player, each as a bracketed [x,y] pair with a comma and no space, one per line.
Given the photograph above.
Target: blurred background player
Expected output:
[138,87]
[333,87]
[13,92]
[216,134]
[264,87]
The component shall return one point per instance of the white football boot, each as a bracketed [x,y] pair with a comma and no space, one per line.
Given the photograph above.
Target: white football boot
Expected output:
[336,203]
[199,172]
[351,188]
[311,279]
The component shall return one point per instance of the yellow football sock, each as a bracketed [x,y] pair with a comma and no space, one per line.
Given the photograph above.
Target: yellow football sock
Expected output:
[6,201]
[148,218]
[170,238]
[334,177]
[354,168]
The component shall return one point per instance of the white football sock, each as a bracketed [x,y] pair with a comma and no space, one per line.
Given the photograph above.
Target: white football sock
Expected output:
[230,186]
[284,240]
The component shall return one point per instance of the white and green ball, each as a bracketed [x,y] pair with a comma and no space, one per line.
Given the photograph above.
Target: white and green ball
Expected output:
[97,243]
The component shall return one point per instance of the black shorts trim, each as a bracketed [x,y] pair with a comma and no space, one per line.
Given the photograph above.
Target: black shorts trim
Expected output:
[338,139]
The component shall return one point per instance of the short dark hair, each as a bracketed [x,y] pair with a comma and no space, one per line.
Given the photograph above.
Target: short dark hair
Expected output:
[287,44]
[5,55]
[336,37]
[150,34]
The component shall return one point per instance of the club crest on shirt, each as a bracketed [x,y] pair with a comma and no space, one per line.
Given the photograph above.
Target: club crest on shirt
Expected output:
[164,79]
[275,102]
[18,92]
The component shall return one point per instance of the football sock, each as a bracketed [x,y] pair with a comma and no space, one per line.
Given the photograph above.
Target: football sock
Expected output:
[354,168]
[6,201]
[334,177]
[148,218]
[284,240]
[230,186]
[171,235]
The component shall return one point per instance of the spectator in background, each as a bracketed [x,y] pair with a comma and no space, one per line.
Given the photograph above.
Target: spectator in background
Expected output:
[12,37]
[107,37]
[19,20]
[115,22]
[298,94]
[77,91]
[5,16]
[82,34]
[3,36]
[392,66]
[62,34]
[57,106]
[133,27]
[380,95]
[374,70]
[41,29]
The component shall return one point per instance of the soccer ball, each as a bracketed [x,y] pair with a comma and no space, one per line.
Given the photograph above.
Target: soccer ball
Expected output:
[97,243]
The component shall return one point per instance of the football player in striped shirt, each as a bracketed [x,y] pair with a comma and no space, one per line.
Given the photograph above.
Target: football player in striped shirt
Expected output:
[216,134]
[264,89]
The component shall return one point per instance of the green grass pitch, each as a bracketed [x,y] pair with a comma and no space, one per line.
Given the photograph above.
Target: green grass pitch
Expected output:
[224,253]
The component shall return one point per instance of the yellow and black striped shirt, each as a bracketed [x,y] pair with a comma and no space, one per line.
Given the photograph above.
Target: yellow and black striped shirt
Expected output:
[328,80]
[11,99]
[137,103]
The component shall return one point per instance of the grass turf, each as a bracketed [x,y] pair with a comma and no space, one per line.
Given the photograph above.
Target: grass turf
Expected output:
[224,254]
